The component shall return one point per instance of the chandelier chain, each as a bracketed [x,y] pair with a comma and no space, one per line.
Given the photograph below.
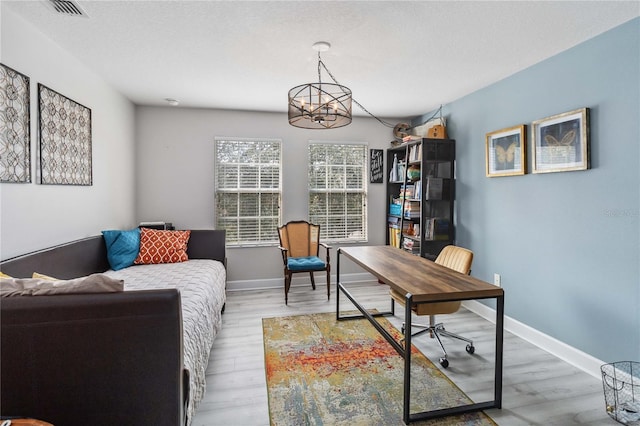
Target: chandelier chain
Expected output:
[384,123]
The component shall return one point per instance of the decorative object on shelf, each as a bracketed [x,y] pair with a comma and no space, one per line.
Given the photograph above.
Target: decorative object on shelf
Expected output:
[561,142]
[393,175]
[376,165]
[65,139]
[401,130]
[15,128]
[434,127]
[413,172]
[506,152]
[323,105]
[438,130]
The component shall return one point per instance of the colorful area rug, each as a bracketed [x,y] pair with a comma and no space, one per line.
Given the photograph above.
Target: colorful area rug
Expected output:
[324,372]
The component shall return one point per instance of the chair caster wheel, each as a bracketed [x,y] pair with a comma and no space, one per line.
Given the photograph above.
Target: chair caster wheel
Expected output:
[470,349]
[444,362]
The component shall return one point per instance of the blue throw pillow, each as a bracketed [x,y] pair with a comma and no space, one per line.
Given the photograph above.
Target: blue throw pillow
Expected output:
[122,247]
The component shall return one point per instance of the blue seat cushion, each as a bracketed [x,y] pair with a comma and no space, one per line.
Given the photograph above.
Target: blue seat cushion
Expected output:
[309,263]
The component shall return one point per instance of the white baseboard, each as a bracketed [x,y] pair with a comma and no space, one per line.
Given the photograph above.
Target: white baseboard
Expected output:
[300,280]
[573,356]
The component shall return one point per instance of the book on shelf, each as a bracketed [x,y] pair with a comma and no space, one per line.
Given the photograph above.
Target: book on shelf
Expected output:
[394,237]
[417,190]
[415,153]
[411,209]
[411,138]
[411,245]
[407,191]
[395,234]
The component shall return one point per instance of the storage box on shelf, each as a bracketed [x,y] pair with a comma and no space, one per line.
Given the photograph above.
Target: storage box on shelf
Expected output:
[421,195]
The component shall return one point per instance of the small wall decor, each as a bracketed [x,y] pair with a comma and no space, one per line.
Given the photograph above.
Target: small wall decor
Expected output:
[65,139]
[15,128]
[561,142]
[376,165]
[506,152]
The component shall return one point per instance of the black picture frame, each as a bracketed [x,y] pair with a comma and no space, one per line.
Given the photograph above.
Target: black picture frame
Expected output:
[15,126]
[65,140]
[376,165]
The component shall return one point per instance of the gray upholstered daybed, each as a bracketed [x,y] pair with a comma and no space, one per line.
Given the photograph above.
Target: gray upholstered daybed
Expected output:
[133,357]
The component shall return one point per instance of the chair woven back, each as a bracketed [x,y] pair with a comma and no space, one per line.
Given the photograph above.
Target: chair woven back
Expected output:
[300,238]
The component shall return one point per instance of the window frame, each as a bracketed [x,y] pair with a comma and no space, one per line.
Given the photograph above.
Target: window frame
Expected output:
[325,229]
[258,241]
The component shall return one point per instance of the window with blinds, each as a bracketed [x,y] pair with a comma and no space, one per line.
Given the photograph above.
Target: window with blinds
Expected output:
[248,188]
[338,191]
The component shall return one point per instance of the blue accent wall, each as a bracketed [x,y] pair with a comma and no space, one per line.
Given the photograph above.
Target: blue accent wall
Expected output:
[567,245]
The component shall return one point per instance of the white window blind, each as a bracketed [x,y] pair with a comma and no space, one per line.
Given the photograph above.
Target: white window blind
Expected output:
[337,190]
[248,189]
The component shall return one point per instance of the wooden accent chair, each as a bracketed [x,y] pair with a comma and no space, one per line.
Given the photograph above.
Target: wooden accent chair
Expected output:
[300,246]
[459,259]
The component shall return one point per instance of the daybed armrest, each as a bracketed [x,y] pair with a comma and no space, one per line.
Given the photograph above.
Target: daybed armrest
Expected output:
[93,359]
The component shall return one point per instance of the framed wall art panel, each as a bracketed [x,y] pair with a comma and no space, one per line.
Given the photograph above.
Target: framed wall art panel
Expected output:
[65,139]
[15,126]
[376,165]
[561,142]
[506,152]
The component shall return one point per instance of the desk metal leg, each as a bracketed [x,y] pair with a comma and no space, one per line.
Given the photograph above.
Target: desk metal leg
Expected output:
[406,412]
[499,348]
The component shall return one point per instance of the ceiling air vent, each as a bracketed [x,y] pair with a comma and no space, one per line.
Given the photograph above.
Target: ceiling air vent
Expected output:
[67,7]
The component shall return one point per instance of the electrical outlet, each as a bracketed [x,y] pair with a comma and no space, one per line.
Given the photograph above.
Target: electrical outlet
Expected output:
[496,279]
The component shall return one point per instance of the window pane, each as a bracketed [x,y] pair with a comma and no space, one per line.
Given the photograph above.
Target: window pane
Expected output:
[226,205]
[355,204]
[269,205]
[227,176]
[270,176]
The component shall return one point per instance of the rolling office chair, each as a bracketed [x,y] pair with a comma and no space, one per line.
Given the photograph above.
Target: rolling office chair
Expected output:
[300,246]
[456,258]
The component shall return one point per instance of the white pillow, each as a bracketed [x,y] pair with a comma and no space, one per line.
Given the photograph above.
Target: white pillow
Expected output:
[96,283]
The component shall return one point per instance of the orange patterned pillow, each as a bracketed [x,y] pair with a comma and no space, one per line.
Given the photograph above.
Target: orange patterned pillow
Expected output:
[162,246]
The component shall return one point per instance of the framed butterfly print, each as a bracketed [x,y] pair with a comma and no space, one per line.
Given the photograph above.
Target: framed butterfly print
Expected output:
[561,142]
[506,152]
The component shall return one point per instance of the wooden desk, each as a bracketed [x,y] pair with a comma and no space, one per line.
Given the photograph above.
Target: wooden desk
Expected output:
[422,281]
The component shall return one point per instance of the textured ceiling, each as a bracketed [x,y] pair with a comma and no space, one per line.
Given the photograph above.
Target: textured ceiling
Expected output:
[399,58]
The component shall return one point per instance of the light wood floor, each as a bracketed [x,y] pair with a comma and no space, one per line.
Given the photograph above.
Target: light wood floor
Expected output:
[538,388]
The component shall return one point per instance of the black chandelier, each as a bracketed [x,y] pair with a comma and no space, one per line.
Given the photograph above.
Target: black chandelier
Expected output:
[320,105]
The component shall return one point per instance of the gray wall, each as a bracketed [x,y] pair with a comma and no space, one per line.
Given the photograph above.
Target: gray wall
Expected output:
[35,216]
[175,173]
[566,244]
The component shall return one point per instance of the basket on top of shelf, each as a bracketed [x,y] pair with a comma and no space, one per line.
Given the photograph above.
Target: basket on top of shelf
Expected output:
[621,383]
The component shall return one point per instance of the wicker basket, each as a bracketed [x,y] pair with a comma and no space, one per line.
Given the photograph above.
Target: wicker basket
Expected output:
[621,383]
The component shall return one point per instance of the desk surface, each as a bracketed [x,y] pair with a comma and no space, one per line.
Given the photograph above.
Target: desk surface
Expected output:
[425,280]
